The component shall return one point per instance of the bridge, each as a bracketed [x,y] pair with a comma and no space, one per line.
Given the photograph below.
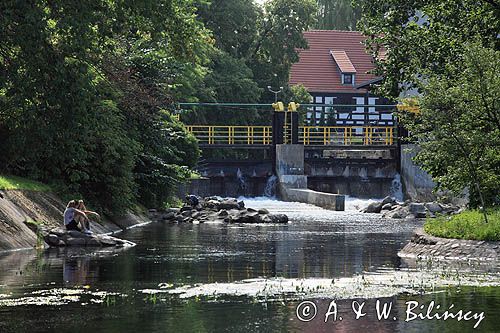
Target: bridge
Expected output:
[351,149]
[217,136]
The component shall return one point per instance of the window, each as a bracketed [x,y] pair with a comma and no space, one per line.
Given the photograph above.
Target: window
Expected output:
[348,79]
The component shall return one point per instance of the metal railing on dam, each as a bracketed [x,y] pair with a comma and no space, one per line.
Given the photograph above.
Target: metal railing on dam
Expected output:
[226,135]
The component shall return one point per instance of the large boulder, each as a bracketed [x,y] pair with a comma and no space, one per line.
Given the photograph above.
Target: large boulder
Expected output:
[230,204]
[168,216]
[399,212]
[60,237]
[387,200]
[277,218]
[417,209]
[75,241]
[433,207]
[52,240]
[374,207]
[387,206]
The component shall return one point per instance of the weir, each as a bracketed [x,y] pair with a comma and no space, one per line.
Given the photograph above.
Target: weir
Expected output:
[311,164]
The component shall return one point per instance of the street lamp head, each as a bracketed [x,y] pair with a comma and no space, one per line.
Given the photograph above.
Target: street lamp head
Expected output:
[268,87]
[281,88]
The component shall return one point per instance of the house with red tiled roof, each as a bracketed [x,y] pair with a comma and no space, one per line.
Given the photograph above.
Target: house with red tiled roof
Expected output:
[336,69]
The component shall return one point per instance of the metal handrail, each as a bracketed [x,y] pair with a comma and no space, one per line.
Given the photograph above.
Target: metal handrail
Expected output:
[308,135]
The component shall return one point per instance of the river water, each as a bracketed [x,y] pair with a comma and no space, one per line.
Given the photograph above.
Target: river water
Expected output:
[246,278]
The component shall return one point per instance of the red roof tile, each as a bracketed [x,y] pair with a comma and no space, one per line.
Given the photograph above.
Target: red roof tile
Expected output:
[317,70]
[343,61]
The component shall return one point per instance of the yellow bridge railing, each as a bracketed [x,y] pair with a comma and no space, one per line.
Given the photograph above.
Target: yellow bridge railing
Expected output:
[231,135]
[346,135]
[308,135]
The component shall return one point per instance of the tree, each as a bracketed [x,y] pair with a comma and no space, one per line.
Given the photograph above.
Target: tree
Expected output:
[458,127]
[280,34]
[417,37]
[337,14]
[233,24]
[298,93]
[82,85]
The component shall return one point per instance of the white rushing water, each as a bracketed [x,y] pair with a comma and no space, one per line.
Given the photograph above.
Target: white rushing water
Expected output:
[352,204]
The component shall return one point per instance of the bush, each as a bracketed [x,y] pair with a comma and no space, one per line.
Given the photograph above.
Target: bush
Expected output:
[466,225]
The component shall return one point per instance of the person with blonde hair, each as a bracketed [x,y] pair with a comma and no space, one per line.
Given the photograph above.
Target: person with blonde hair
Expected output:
[85,222]
[71,213]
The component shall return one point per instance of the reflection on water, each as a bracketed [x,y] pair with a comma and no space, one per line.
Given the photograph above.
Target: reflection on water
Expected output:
[126,291]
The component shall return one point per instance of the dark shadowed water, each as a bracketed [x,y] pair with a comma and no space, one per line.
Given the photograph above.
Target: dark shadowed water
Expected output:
[220,278]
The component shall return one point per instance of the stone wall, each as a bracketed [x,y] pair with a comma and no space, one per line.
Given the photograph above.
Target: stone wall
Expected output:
[425,246]
[418,184]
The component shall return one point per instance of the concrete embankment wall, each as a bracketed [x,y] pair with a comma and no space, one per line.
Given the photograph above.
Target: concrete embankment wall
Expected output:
[227,186]
[293,183]
[320,199]
[18,207]
[418,184]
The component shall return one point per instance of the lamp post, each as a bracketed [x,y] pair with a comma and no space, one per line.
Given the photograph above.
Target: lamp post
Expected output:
[275,92]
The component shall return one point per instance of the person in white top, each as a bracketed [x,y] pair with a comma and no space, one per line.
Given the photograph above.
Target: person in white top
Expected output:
[85,222]
[69,216]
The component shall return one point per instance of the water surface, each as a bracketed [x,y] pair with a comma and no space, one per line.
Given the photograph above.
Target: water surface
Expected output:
[242,278]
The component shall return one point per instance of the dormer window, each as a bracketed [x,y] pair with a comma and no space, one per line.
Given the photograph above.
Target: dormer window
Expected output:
[348,78]
[345,66]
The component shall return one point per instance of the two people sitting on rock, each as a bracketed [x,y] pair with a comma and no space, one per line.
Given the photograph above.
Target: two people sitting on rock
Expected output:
[77,214]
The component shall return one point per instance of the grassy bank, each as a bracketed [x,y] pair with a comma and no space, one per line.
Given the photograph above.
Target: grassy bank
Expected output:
[18,183]
[467,225]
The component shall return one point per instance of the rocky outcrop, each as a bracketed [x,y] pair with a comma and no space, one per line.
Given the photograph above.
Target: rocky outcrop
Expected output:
[60,237]
[425,246]
[22,212]
[214,209]
[392,209]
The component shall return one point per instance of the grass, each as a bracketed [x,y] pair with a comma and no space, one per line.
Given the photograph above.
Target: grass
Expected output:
[466,225]
[18,183]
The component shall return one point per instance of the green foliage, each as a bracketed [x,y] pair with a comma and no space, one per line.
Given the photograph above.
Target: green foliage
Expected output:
[466,225]
[424,36]
[85,86]
[82,90]
[280,34]
[174,202]
[337,14]
[19,183]
[456,69]
[298,93]
[233,24]
[458,127]
[232,80]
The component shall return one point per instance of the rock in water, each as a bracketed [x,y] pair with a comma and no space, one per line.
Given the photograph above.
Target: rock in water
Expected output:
[387,200]
[387,206]
[417,209]
[76,241]
[374,207]
[52,240]
[220,210]
[58,237]
[433,207]
[277,218]
[230,204]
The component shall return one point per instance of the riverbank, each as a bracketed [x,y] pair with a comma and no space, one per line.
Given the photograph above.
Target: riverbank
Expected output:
[469,224]
[22,211]
[425,246]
